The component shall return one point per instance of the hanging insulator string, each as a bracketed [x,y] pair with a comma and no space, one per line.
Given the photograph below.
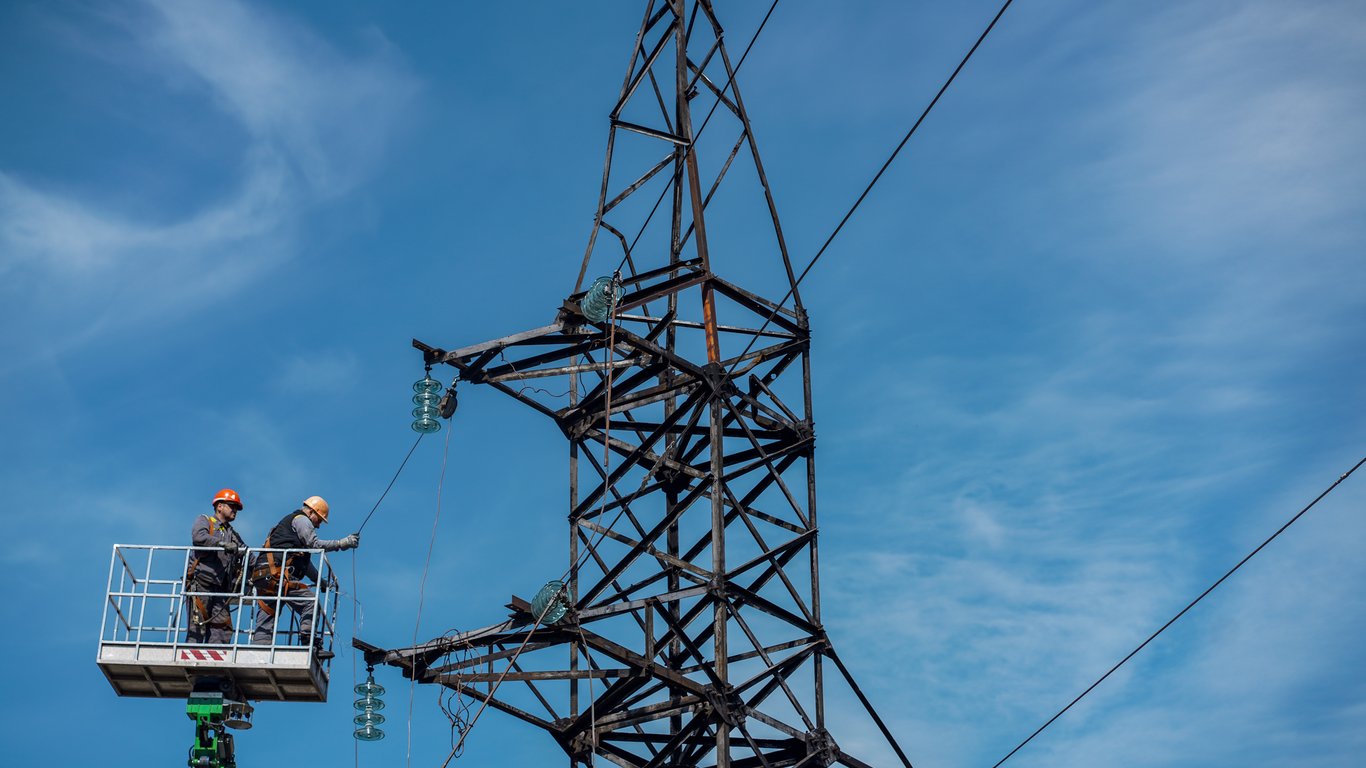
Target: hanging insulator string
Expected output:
[368,706]
[427,399]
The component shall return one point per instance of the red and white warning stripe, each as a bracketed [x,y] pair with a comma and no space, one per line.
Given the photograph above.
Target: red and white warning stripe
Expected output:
[197,655]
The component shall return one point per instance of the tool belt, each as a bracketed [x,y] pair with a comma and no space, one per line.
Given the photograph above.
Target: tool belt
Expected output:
[200,613]
[265,576]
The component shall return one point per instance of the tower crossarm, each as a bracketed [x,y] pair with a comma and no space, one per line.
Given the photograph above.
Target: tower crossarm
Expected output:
[686,626]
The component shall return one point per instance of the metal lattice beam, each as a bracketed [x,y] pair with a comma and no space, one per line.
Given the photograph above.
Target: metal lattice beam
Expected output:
[694,635]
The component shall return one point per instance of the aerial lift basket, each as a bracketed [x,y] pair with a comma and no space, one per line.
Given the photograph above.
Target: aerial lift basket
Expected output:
[143,651]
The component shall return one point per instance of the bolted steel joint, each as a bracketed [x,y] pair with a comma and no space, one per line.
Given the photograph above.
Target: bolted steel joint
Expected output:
[726,707]
[821,749]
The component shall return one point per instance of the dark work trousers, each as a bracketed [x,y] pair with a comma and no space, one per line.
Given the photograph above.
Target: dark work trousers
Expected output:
[301,601]
[208,616]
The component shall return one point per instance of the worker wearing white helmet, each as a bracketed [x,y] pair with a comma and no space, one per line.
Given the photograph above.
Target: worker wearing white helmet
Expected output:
[297,530]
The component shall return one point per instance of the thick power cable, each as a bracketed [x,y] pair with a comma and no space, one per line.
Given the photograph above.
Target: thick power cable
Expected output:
[1183,611]
[876,177]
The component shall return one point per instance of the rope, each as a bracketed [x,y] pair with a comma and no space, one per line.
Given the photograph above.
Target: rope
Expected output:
[869,188]
[1183,611]
[357,613]
[496,683]
[355,629]
[422,587]
[592,700]
[512,661]
[612,319]
[392,481]
[602,507]
[502,355]
[452,701]
[607,393]
[571,571]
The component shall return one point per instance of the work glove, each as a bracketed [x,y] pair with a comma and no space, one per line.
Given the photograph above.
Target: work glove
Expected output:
[351,542]
[232,547]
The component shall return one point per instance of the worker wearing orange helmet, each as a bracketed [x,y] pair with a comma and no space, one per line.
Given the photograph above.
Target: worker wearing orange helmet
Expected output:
[279,575]
[213,571]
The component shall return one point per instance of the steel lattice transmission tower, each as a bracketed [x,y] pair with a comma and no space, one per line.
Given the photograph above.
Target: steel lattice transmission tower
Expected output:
[693,634]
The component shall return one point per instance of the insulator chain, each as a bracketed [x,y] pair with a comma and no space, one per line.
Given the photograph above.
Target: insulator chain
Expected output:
[368,706]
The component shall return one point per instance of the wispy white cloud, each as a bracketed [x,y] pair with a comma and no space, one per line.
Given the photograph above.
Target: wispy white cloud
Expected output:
[1064,507]
[329,114]
[317,122]
[1272,673]
[1233,140]
[1241,162]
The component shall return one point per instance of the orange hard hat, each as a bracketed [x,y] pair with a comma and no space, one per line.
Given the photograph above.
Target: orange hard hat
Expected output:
[317,504]
[230,496]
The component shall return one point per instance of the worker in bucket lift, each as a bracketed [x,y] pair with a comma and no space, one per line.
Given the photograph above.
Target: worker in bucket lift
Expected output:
[297,530]
[212,572]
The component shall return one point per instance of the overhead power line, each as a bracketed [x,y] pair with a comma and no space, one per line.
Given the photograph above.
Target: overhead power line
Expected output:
[575,566]
[906,138]
[1183,611]
[877,176]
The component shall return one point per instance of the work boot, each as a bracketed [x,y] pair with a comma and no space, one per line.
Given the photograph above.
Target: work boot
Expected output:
[322,653]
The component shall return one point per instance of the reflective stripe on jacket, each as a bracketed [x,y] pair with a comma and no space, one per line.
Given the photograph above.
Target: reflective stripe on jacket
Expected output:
[209,531]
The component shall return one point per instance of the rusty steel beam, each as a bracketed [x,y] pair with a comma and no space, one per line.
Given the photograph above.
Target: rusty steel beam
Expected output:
[692,593]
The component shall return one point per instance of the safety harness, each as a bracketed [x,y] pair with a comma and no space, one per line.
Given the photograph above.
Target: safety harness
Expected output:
[269,568]
[200,616]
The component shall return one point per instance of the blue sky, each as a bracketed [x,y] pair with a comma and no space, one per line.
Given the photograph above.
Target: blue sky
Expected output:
[1096,334]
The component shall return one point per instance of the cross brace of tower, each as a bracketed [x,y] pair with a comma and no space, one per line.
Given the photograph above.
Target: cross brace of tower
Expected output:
[687,630]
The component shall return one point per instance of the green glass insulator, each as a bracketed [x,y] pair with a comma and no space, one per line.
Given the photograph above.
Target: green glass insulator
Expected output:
[368,718]
[369,704]
[602,295]
[370,688]
[368,733]
[427,399]
[549,605]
